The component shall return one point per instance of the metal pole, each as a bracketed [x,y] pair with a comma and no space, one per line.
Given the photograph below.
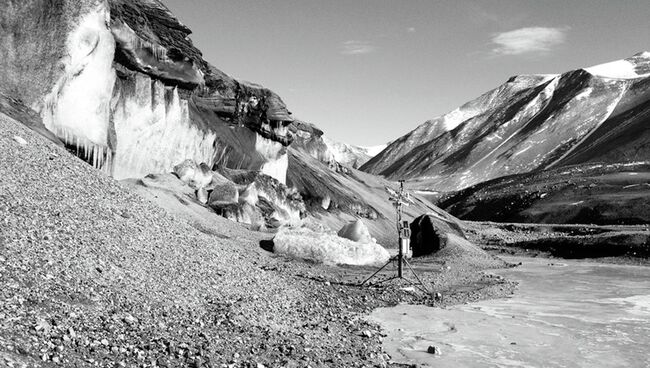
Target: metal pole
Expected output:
[399,260]
[400,253]
[376,272]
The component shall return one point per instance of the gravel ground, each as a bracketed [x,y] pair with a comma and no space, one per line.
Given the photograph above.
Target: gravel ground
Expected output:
[92,274]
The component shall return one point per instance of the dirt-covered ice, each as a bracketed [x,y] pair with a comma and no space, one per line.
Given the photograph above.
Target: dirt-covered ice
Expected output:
[565,314]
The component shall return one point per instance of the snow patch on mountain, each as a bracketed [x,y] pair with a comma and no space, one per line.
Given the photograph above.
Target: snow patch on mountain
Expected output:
[630,68]
[373,151]
[349,155]
[619,69]
[456,117]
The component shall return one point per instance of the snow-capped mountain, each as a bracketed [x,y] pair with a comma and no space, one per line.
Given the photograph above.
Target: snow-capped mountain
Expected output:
[531,122]
[350,155]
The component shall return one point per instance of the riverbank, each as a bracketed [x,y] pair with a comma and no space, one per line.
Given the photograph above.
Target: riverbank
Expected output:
[619,244]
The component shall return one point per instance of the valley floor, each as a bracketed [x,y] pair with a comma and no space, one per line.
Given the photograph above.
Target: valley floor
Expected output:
[92,274]
[627,244]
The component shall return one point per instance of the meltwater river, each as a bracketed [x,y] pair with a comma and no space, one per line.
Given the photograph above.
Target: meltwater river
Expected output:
[563,314]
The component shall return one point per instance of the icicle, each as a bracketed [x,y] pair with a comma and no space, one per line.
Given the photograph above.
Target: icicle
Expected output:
[143,91]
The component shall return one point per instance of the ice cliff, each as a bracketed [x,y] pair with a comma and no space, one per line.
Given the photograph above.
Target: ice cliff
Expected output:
[121,85]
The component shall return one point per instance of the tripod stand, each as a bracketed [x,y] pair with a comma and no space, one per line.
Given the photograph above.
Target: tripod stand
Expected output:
[404,234]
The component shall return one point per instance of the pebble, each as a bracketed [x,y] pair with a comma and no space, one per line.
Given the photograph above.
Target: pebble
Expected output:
[20,140]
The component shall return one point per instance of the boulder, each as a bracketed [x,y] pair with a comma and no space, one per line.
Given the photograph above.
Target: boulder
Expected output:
[186,170]
[430,232]
[279,217]
[223,195]
[278,204]
[202,195]
[245,214]
[216,179]
[356,231]
[203,176]
[196,176]
[249,195]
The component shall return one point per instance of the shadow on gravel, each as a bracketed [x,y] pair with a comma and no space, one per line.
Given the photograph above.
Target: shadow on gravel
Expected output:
[206,230]
[267,245]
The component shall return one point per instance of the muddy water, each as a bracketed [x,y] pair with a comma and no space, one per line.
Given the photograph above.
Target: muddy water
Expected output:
[564,314]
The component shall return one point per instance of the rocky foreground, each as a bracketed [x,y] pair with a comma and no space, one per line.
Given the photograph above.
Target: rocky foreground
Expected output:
[94,275]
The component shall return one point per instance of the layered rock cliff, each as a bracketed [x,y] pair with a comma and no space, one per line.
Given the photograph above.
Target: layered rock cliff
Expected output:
[529,123]
[121,84]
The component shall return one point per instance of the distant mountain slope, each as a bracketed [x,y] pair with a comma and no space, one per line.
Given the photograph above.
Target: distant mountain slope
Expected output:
[335,195]
[594,193]
[350,155]
[529,123]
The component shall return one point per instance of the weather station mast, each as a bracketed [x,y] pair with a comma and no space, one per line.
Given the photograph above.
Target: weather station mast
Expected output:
[400,199]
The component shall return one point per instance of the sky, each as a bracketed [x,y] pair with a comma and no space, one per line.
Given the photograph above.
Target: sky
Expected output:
[369,71]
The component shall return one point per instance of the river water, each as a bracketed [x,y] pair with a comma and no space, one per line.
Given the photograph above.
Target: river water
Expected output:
[563,314]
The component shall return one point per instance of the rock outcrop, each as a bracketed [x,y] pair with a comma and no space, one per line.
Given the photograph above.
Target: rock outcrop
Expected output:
[535,122]
[431,233]
[264,199]
[121,83]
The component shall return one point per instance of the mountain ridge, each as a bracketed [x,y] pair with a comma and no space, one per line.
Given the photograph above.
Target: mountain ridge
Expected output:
[531,122]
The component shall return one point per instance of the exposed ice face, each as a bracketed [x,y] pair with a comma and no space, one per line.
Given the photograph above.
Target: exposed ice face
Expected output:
[153,131]
[277,161]
[286,210]
[327,248]
[277,168]
[133,125]
[78,107]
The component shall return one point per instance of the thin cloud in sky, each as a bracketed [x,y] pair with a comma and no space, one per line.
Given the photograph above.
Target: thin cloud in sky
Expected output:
[353,47]
[411,30]
[528,40]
